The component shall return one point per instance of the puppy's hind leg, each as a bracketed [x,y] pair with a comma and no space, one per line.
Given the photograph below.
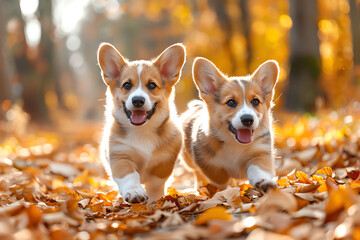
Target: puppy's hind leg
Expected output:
[199,179]
[155,188]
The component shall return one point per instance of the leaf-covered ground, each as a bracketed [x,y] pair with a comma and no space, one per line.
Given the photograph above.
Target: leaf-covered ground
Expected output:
[52,186]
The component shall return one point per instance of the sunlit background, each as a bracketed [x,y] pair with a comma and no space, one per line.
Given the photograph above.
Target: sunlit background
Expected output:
[48,50]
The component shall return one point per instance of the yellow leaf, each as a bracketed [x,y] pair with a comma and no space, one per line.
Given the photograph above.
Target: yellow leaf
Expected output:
[316,178]
[283,182]
[218,213]
[325,170]
[173,192]
[82,178]
[322,188]
[303,177]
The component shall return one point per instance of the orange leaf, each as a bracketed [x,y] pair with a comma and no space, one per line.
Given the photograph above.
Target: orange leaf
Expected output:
[97,207]
[302,177]
[173,192]
[355,184]
[340,199]
[325,170]
[218,213]
[138,207]
[322,188]
[304,188]
[356,233]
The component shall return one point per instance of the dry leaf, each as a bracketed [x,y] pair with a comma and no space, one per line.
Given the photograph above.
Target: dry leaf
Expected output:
[325,170]
[215,213]
[229,195]
[353,174]
[303,178]
[172,220]
[275,201]
[62,169]
[259,234]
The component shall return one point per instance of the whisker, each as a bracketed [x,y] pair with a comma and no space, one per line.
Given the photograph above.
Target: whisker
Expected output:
[277,98]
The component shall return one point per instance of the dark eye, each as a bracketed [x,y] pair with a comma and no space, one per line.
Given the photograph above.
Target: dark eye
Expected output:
[231,103]
[127,85]
[255,102]
[151,86]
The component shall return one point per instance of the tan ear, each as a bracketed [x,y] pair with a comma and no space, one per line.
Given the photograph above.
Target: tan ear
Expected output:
[207,76]
[170,62]
[111,62]
[266,75]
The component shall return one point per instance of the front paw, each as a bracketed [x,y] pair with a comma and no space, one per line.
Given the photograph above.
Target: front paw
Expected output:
[265,185]
[135,195]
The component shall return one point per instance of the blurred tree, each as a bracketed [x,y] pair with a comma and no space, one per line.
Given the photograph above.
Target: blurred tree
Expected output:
[4,79]
[336,52]
[34,64]
[303,87]
[229,15]
[47,56]
[355,23]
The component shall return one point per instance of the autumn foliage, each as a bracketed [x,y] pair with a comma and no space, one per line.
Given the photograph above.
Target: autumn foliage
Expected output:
[53,186]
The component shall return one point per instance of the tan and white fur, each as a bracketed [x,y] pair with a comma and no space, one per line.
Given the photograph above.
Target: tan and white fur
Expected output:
[229,134]
[141,139]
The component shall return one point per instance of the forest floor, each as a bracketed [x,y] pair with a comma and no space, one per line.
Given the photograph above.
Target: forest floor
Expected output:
[53,186]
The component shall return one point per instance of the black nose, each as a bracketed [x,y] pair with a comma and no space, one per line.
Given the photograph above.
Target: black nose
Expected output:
[138,101]
[247,120]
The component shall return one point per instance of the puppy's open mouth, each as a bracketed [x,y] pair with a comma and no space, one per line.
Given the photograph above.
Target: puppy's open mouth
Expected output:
[139,117]
[242,135]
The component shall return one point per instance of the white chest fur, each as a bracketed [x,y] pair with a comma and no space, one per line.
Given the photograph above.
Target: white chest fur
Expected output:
[144,142]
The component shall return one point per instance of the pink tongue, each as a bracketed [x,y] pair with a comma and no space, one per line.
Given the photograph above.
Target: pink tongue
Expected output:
[138,117]
[244,135]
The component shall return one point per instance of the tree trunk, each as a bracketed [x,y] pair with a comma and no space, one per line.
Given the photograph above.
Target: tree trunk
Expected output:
[4,80]
[303,87]
[355,23]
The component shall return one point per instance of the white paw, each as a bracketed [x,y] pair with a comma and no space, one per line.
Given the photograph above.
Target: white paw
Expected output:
[135,194]
[131,189]
[260,179]
[265,185]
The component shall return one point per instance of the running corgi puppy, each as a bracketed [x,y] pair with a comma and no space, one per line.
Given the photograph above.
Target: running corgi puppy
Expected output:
[228,135]
[141,140]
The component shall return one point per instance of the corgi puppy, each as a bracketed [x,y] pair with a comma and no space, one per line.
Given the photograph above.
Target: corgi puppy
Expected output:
[228,135]
[141,140]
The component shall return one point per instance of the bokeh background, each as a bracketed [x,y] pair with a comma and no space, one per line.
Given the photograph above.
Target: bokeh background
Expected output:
[49,73]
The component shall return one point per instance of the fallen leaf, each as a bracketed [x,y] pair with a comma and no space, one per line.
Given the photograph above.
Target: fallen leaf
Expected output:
[303,178]
[63,169]
[353,174]
[218,213]
[325,170]
[138,207]
[275,201]
[59,217]
[84,202]
[231,195]
[173,220]
[304,188]
[259,234]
